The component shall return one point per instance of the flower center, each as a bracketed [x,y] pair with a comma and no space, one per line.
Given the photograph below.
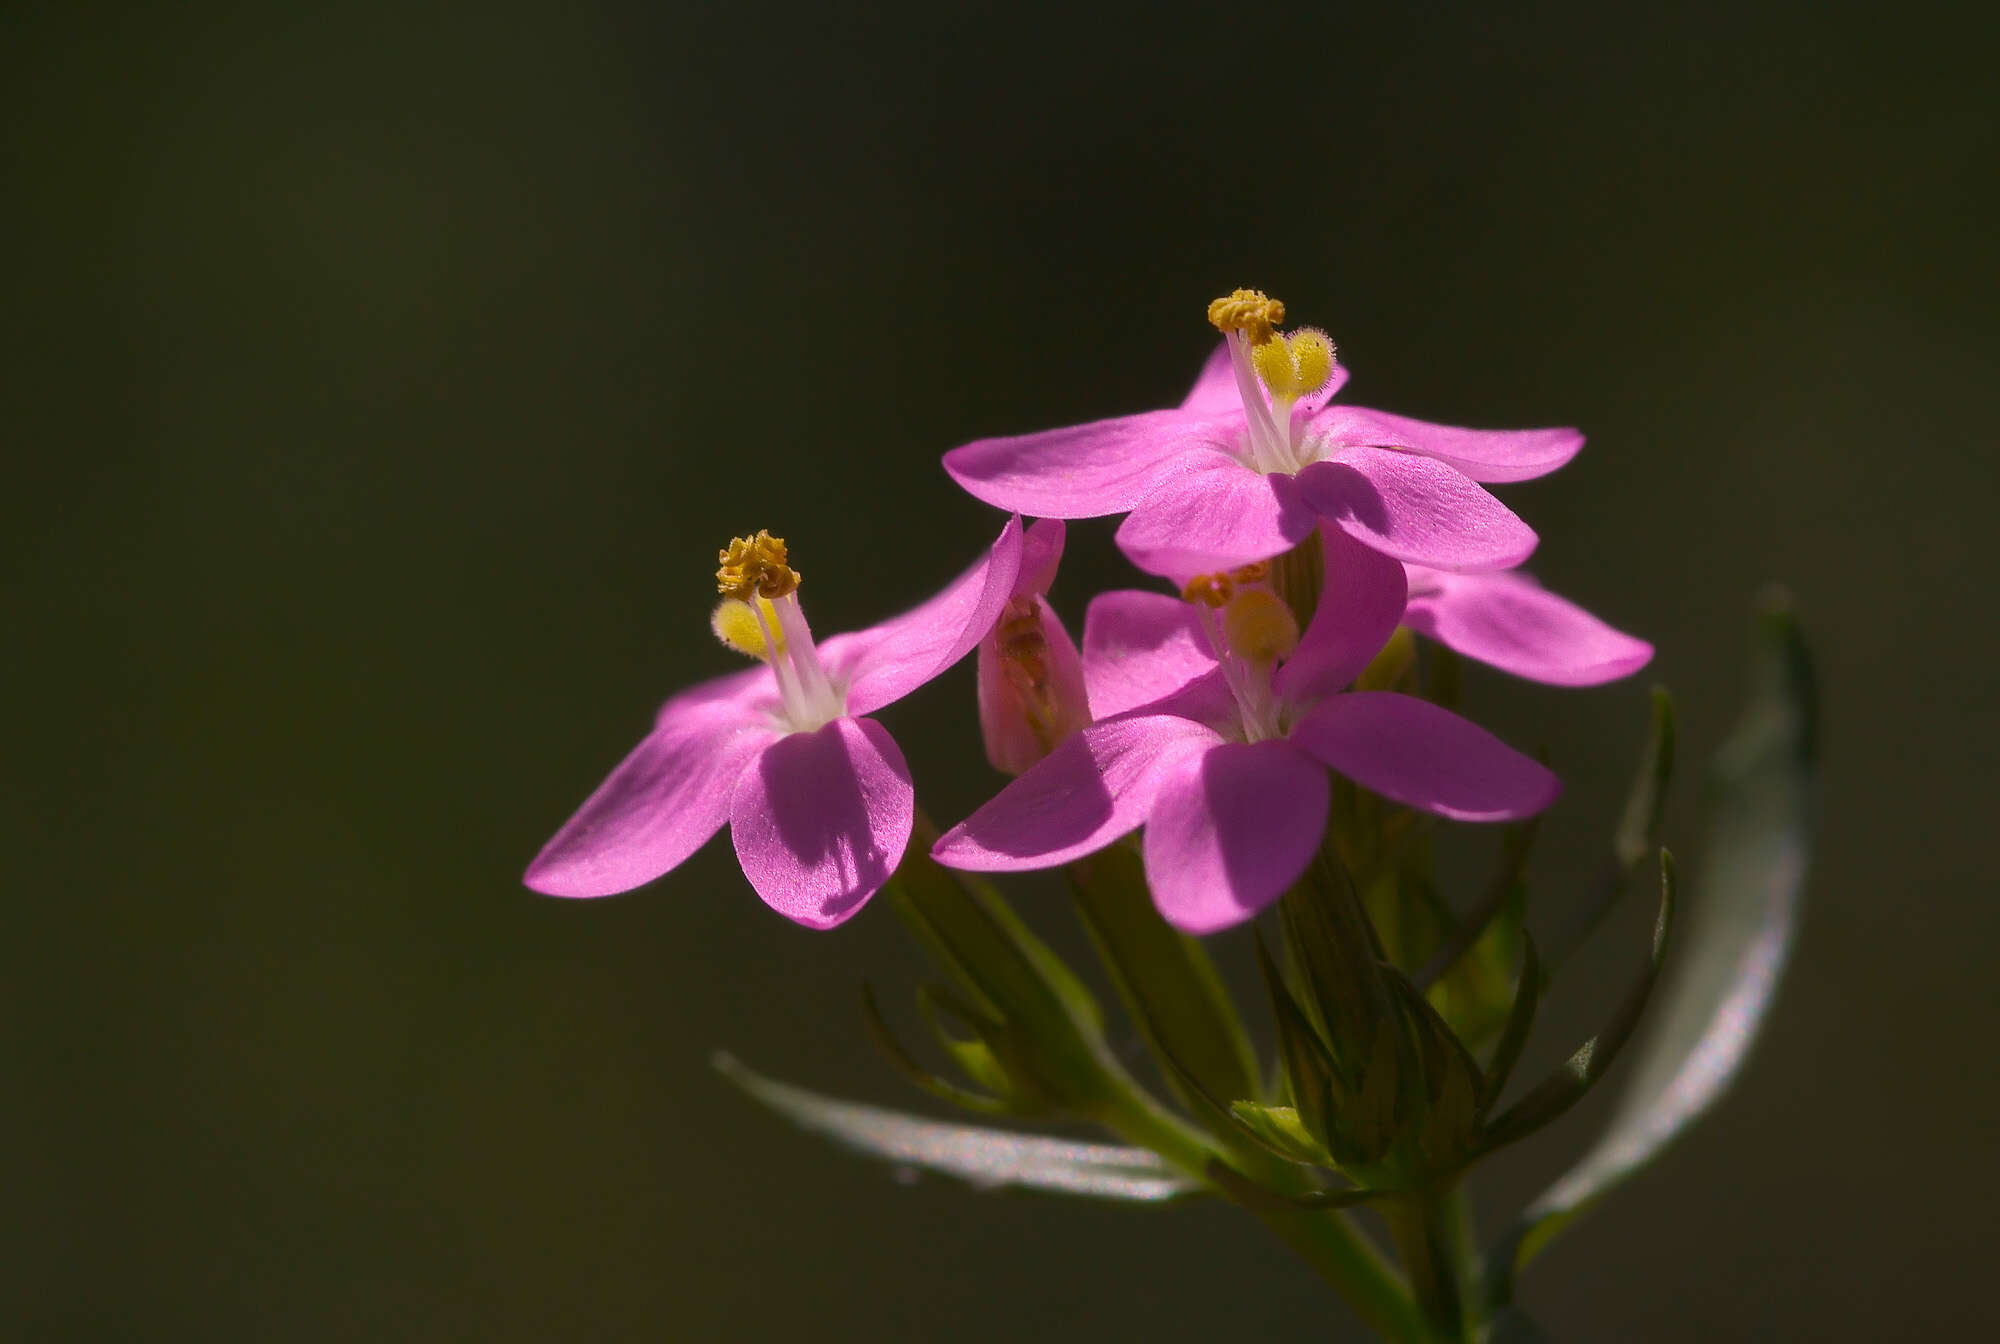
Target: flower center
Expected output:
[760,617]
[1273,371]
[1251,630]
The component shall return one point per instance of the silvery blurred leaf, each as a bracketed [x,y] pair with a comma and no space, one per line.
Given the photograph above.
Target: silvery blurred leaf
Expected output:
[1708,1013]
[989,1159]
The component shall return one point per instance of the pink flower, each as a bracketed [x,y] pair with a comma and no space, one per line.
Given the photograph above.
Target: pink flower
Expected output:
[1217,725]
[818,798]
[1255,457]
[1509,621]
[1031,692]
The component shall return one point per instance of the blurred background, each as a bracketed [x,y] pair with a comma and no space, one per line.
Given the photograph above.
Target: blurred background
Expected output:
[380,380]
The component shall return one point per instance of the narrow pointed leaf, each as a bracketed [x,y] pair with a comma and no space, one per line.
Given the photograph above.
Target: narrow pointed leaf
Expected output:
[989,1159]
[1279,1130]
[1753,870]
[1638,832]
[1580,1072]
[907,1065]
[1520,1020]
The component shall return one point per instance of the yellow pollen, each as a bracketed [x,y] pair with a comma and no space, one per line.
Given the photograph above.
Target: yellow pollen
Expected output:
[1255,572]
[755,565]
[1260,626]
[1292,366]
[735,624]
[1249,311]
[1211,590]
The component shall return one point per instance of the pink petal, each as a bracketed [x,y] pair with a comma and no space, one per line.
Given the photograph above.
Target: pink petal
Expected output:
[822,818]
[1041,553]
[1232,828]
[1416,509]
[1482,454]
[1417,754]
[1092,789]
[1139,647]
[666,798]
[1360,606]
[1209,511]
[1512,622]
[1214,391]
[1011,743]
[885,662]
[1082,471]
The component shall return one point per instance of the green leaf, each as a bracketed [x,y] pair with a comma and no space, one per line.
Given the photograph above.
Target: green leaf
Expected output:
[1753,870]
[1581,1071]
[1638,832]
[989,1159]
[1520,1019]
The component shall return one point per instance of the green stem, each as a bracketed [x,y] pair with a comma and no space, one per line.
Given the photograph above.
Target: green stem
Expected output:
[1424,1230]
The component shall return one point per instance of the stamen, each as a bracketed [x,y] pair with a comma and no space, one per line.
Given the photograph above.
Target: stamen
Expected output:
[742,629]
[1259,626]
[1249,311]
[1293,366]
[1210,590]
[755,565]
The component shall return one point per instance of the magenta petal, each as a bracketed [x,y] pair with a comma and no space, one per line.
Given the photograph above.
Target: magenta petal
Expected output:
[1092,789]
[1231,829]
[1415,753]
[665,799]
[1209,512]
[1482,454]
[1082,471]
[822,818]
[1139,647]
[1360,606]
[1416,509]
[884,663]
[1041,553]
[1513,623]
[1214,391]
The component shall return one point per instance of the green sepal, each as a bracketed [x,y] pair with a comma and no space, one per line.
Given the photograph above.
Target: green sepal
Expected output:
[1166,981]
[1279,1130]
[989,1159]
[1580,1072]
[1252,1195]
[1312,1077]
[977,1057]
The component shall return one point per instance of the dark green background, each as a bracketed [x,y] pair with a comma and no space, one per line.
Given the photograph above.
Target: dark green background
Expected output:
[378,382]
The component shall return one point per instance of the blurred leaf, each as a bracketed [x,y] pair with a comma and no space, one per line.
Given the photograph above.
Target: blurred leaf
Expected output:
[1754,868]
[1254,1196]
[1520,1019]
[990,1159]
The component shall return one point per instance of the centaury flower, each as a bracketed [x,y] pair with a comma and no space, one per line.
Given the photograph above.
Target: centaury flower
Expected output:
[817,797]
[1031,691]
[1216,726]
[1255,458]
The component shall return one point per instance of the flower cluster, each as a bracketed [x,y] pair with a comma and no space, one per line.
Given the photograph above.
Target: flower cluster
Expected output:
[1300,538]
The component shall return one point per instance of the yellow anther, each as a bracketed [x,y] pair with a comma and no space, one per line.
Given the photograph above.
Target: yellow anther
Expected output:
[1292,366]
[755,565]
[1259,626]
[1249,311]
[1211,590]
[736,625]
